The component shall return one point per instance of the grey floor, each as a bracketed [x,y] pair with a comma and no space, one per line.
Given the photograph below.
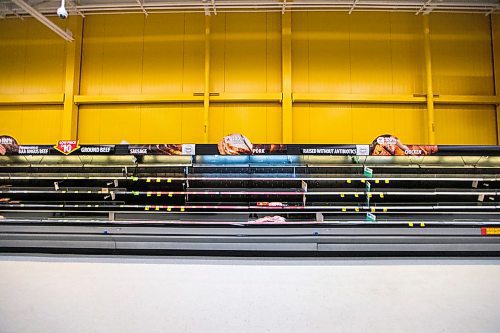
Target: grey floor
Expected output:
[85,294]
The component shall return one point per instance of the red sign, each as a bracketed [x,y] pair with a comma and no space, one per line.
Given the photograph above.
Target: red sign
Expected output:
[67,147]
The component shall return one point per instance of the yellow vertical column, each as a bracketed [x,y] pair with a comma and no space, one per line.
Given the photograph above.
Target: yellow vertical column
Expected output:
[496,63]
[206,95]
[428,75]
[72,79]
[286,76]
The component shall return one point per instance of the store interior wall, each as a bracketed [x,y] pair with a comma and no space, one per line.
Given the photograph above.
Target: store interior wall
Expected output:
[331,53]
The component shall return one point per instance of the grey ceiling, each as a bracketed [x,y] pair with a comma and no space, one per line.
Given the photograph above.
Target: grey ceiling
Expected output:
[210,7]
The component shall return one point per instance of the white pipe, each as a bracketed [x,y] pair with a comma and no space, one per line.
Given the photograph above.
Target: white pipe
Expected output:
[139,2]
[353,6]
[302,4]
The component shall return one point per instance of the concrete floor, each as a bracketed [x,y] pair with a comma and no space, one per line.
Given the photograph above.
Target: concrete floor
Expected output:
[85,294]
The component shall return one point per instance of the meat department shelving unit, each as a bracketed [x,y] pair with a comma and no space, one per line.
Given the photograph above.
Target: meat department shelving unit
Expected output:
[334,205]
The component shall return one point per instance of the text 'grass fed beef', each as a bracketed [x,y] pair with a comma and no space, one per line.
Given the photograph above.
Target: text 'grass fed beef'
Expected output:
[235,144]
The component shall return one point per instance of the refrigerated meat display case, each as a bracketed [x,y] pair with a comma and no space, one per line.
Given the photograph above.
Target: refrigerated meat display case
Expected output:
[311,200]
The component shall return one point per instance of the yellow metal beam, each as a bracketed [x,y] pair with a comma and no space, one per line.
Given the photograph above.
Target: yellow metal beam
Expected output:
[286,76]
[69,125]
[357,98]
[467,100]
[246,97]
[495,24]
[40,99]
[428,75]
[249,98]
[206,94]
[138,98]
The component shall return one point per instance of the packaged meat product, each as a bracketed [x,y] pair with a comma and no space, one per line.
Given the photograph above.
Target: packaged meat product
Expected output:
[271,204]
[270,219]
[389,145]
[169,149]
[8,145]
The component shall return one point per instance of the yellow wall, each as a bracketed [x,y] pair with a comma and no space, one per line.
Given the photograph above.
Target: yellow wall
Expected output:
[153,123]
[470,124]
[31,58]
[358,53]
[461,54]
[366,54]
[40,124]
[132,54]
[362,53]
[356,123]
[245,57]
[32,61]
[462,65]
[259,121]
[125,54]
[246,53]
